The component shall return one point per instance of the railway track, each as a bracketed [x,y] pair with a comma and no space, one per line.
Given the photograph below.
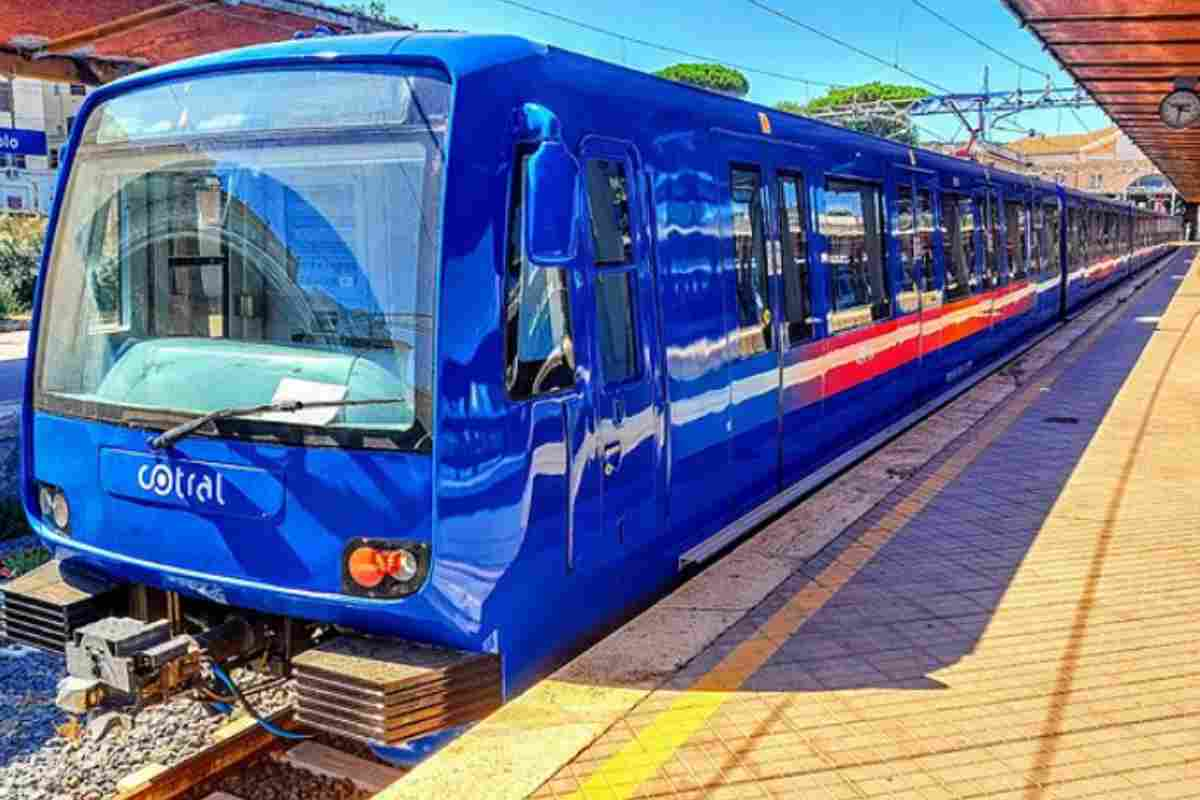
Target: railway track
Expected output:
[250,763]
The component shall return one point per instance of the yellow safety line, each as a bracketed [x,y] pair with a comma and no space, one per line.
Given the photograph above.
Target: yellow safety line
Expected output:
[620,774]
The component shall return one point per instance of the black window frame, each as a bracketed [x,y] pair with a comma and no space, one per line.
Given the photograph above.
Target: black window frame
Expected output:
[798,297]
[514,376]
[746,287]
[878,275]
[1018,267]
[624,226]
[629,274]
[1054,229]
[906,244]
[957,253]
[992,272]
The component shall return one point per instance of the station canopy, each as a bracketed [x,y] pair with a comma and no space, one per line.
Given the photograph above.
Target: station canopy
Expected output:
[1128,54]
[95,41]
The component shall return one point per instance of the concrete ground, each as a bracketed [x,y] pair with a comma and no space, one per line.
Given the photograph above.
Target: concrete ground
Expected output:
[1014,619]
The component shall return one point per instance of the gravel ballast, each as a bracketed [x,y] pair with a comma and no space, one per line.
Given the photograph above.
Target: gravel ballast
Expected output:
[36,763]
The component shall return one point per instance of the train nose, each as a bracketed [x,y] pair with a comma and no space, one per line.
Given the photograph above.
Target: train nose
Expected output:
[216,511]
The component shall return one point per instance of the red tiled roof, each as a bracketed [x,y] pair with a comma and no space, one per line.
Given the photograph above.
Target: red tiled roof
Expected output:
[1127,55]
[1060,144]
[153,32]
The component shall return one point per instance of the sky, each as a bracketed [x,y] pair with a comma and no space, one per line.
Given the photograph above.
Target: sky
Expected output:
[736,32]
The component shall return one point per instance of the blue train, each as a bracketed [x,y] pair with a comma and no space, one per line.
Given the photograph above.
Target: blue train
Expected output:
[473,342]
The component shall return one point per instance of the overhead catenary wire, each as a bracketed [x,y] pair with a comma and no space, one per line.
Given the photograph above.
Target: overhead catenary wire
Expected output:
[981,42]
[664,48]
[842,42]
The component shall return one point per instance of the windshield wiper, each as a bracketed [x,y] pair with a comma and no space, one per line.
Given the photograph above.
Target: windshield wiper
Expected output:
[173,435]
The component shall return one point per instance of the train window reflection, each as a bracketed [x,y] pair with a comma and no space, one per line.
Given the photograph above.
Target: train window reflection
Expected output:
[537,317]
[614,316]
[794,225]
[914,231]
[750,261]
[908,299]
[1017,228]
[958,244]
[1053,240]
[923,243]
[608,199]
[992,274]
[852,225]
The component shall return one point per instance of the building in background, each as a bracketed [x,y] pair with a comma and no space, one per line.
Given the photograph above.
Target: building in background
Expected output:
[1104,162]
[27,181]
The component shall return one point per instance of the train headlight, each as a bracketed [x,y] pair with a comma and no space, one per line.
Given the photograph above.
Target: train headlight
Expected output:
[61,512]
[382,568]
[52,502]
[46,501]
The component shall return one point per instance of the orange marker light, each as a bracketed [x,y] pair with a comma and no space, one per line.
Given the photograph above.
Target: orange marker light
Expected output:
[366,567]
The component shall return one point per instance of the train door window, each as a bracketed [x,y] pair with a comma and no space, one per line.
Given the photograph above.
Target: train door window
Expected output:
[750,260]
[793,224]
[1053,238]
[537,316]
[1081,236]
[853,228]
[905,231]
[992,272]
[1076,233]
[923,243]
[616,283]
[1017,229]
[1037,232]
[616,336]
[608,201]
[957,241]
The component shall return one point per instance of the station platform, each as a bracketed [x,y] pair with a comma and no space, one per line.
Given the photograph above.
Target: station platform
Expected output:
[999,604]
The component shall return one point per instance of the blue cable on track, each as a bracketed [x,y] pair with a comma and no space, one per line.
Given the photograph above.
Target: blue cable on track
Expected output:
[271,729]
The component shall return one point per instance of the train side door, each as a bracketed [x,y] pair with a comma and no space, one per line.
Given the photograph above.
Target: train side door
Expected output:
[931,279]
[801,329]
[912,229]
[750,257]
[629,430]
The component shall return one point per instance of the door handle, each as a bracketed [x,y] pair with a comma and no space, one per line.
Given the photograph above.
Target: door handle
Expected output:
[612,457]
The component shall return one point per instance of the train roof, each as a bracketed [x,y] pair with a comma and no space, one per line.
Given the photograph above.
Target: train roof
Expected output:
[463,54]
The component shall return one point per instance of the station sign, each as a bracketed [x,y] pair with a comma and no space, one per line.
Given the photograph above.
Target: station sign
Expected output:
[22,141]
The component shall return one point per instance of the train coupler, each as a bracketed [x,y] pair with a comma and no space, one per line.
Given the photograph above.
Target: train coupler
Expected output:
[125,660]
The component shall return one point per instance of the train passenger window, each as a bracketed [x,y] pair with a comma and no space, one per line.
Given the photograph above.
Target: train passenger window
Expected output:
[958,244]
[853,227]
[1017,227]
[540,353]
[616,336]
[750,261]
[608,201]
[793,222]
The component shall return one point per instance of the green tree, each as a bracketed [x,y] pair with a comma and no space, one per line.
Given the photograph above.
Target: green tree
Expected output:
[708,76]
[886,126]
[375,9]
[21,238]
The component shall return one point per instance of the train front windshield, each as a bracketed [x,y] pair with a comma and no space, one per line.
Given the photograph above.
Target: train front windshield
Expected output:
[247,238]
